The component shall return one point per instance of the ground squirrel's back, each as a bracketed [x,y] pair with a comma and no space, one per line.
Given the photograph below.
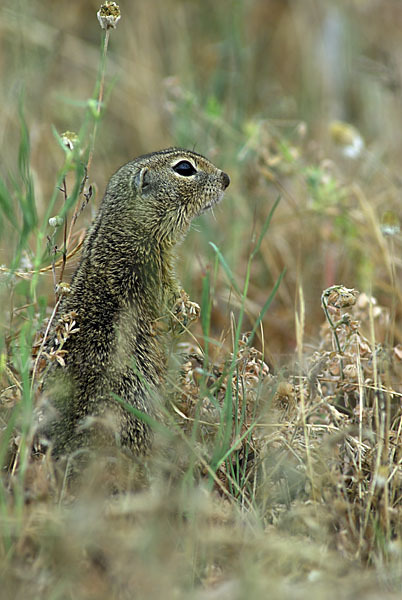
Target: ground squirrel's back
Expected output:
[113,354]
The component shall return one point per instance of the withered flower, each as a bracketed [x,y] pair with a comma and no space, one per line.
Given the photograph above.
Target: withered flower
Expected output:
[109,15]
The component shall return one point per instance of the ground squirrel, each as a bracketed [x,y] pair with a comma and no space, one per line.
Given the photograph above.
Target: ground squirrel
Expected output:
[105,341]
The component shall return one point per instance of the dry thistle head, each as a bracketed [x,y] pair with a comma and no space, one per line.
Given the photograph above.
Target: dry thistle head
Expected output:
[109,15]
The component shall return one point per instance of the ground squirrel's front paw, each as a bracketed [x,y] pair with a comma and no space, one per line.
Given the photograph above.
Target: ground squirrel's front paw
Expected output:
[184,312]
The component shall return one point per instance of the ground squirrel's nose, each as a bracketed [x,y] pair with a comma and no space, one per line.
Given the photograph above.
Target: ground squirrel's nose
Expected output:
[225,179]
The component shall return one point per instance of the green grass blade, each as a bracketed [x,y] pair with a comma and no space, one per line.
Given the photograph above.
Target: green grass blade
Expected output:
[267,304]
[265,227]
[27,195]
[206,307]
[226,268]
[7,205]
[144,417]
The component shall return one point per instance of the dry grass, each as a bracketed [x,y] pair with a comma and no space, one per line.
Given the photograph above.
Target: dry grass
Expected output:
[278,470]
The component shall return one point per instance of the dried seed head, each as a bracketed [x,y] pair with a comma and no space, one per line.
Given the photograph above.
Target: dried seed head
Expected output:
[398,352]
[390,223]
[381,477]
[350,371]
[69,139]
[109,15]
[63,289]
[340,296]
[56,221]
[347,137]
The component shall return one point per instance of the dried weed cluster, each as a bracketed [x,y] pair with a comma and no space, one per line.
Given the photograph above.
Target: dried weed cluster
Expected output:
[327,432]
[309,491]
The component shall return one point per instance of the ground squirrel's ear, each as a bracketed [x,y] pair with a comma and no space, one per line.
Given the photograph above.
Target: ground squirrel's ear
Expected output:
[141,180]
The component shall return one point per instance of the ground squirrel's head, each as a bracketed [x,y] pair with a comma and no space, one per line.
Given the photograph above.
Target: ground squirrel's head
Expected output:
[163,191]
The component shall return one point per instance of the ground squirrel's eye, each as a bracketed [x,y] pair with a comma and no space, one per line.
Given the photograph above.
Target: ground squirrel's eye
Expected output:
[184,168]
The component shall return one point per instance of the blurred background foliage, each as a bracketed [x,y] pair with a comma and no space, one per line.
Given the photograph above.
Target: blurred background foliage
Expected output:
[256,86]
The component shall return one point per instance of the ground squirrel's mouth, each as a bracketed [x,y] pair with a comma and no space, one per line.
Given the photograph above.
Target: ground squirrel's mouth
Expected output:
[211,204]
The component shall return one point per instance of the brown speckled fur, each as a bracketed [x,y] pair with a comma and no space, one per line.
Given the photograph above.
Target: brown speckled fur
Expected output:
[123,284]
